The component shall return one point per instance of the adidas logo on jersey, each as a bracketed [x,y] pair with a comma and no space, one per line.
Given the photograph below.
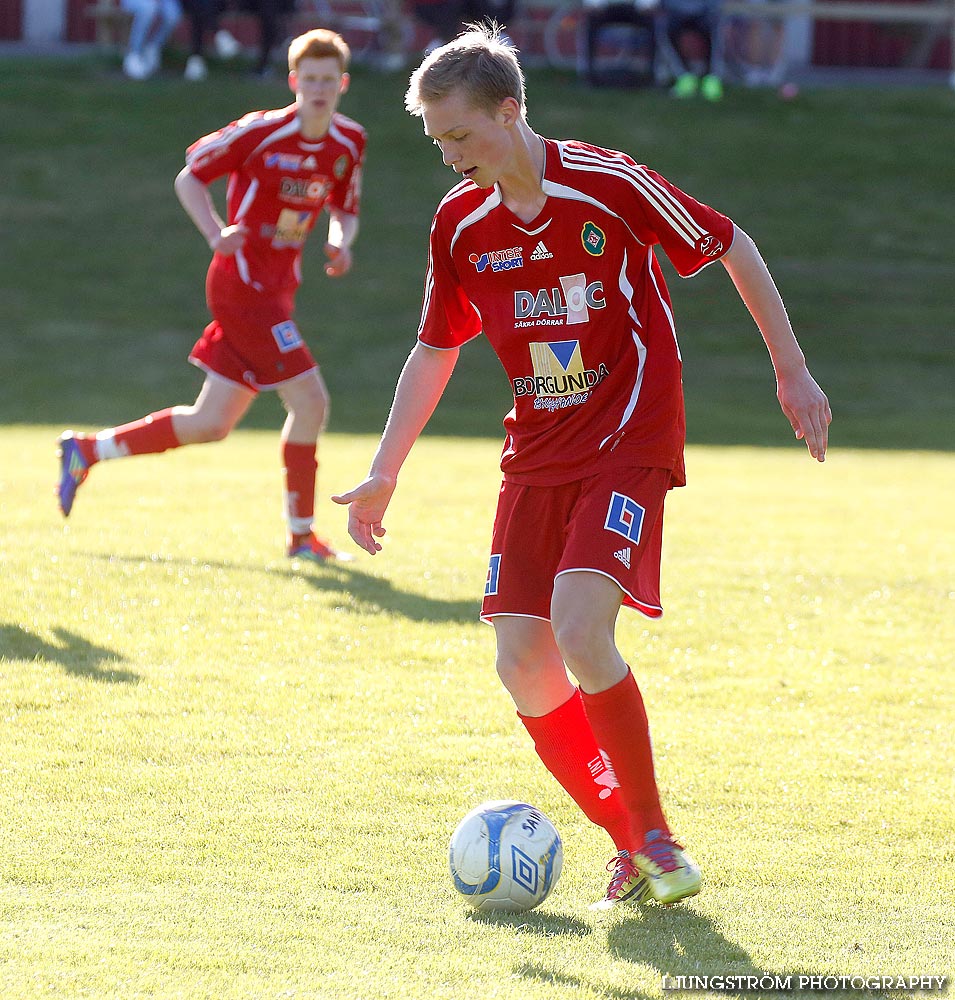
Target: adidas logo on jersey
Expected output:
[541,252]
[624,556]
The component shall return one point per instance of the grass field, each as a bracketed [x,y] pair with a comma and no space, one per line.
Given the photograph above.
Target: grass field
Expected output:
[228,776]
[847,193]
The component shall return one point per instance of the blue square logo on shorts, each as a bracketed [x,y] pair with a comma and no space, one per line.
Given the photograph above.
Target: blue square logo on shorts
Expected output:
[493,572]
[287,336]
[625,517]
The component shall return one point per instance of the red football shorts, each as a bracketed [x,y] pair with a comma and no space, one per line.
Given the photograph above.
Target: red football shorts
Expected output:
[611,524]
[252,338]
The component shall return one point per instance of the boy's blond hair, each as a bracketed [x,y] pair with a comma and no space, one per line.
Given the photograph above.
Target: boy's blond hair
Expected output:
[320,43]
[480,62]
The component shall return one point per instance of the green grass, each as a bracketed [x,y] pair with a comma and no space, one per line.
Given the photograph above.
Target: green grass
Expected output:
[228,776]
[225,776]
[847,193]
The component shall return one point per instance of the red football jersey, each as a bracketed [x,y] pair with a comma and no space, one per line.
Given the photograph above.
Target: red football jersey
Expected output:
[576,308]
[278,183]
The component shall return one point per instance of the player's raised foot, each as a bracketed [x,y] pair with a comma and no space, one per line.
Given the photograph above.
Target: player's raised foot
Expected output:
[627,883]
[73,470]
[314,549]
[671,873]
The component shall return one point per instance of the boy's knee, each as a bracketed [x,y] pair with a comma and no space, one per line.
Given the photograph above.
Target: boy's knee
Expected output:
[518,673]
[509,669]
[217,432]
[311,407]
[577,639]
[207,431]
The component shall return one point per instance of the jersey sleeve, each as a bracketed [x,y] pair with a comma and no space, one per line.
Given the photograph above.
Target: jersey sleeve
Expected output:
[225,150]
[346,194]
[691,234]
[448,317]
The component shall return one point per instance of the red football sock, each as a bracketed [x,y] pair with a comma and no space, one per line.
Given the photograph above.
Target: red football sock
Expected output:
[148,436]
[87,445]
[619,722]
[300,470]
[565,743]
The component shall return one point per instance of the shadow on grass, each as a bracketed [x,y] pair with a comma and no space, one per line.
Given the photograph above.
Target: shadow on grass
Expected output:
[77,656]
[576,985]
[683,947]
[541,924]
[365,594]
[361,593]
[678,941]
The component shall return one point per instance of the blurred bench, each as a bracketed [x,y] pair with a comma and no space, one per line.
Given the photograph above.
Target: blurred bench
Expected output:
[930,19]
[938,11]
[111,24]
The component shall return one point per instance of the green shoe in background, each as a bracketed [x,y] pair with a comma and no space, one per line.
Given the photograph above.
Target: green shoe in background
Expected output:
[711,87]
[686,86]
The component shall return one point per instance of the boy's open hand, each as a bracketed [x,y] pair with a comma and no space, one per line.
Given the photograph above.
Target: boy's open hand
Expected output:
[367,504]
[807,410]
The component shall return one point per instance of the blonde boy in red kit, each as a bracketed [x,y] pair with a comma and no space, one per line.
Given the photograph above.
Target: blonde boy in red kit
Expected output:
[283,168]
[547,249]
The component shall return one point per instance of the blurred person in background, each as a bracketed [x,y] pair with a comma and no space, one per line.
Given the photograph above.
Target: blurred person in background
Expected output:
[447,17]
[283,167]
[762,48]
[153,22]
[392,36]
[600,14]
[692,27]
[203,22]
[271,15]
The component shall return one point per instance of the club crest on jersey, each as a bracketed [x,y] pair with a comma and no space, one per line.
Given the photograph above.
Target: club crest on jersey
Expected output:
[564,306]
[498,260]
[340,166]
[593,238]
[625,517]
[709,246]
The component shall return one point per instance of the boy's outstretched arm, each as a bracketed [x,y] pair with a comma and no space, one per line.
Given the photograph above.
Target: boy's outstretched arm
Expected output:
[420,386]
[803,402]
[195,199]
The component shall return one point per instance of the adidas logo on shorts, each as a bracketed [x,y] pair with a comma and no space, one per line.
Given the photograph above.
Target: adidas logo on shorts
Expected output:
[541,252]
[624,556]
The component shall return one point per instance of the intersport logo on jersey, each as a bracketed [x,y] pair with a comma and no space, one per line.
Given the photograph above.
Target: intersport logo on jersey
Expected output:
[290,161]
[567,305]
[498,260]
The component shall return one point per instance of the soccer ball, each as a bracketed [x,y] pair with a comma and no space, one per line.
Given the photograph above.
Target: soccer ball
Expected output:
[505,855]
